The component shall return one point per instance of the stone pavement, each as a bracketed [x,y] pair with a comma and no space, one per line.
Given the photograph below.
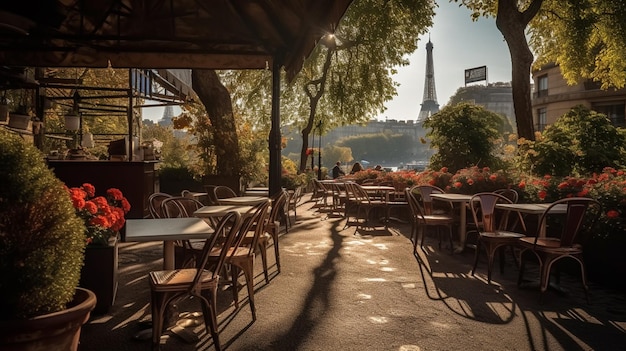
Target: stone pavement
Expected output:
[346,290]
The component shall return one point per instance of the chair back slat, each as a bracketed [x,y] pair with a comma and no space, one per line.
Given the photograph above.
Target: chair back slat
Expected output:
[254,220]
[582,213]
[154,204]
[484,212]
[225,232]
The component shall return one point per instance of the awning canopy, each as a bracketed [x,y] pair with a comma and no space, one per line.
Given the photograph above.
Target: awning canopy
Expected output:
[210,34]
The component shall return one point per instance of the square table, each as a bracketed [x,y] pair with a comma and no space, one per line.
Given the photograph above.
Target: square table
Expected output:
[167,230]
[462,200]
[534,209]
[243,200]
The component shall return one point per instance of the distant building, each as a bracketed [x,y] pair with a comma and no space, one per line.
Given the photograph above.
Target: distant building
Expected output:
[494,97]
[553,97]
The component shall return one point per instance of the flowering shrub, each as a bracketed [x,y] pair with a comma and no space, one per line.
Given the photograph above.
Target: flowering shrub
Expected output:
[474,180]
[608,187]
[439,178]
[103,216]
[292,180]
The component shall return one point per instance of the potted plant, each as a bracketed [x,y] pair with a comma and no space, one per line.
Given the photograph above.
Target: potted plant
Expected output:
[103,217]
[41,253]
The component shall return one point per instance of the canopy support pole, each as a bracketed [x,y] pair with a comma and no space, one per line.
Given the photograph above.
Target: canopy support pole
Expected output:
[275,166]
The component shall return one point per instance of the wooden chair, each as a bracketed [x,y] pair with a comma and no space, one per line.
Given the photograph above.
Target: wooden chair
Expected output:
[186,252]
[492,231]
[271,230]
[321,194]
[421,220]
[292,205]
[580,217]
[154,204]
[223,192]
[200,282]
[364,204]
[241,258]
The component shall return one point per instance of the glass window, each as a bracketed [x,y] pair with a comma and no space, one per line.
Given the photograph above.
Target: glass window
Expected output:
[542,84]
[541,119]
[615,111]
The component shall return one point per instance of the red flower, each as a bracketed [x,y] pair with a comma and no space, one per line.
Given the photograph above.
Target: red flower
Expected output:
[493,177]
[444,170]
[469,182]
[116,194]
[542,194]
[612,214]
[103,216]
[522,184]
[458,185]
[89,189]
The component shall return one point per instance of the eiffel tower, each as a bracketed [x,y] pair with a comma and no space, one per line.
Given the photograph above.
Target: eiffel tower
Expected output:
[429,102]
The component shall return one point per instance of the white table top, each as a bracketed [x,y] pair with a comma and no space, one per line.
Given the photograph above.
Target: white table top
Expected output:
[452,197]
[158,229]
[243,200]
[220,210]
[535,209]
[378,187]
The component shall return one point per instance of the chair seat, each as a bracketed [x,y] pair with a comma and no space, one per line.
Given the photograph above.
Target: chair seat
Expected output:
[174,280]
[551,245]
[501,234]
[438,218]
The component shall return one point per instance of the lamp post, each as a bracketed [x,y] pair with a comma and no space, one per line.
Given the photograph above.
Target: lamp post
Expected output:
[319,152]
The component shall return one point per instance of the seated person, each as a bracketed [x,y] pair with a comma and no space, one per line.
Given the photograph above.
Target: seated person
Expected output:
[356,167]
[337,171]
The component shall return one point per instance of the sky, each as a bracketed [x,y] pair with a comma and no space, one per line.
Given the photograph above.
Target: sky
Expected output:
[458,44]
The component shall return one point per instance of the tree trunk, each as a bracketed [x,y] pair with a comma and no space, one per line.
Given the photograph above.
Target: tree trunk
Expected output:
[512,24]
[216,100]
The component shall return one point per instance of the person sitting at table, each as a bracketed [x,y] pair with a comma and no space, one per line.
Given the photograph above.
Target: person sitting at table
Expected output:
[356,167]
[378,168]
[337,171]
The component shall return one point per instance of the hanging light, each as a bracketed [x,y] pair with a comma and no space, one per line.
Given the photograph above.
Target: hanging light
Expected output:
[72,119]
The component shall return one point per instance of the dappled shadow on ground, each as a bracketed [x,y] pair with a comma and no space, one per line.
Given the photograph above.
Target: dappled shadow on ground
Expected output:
[563,319]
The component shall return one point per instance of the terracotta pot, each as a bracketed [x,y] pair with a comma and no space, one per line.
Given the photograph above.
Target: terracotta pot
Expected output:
[55,331]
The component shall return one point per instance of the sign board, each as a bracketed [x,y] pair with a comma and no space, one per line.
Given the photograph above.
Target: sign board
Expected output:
[475,74]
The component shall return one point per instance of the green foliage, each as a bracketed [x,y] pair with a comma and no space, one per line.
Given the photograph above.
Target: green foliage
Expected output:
[334,153]
[465,135]
[41,238]
[380,147]
[579,142]
[587,38]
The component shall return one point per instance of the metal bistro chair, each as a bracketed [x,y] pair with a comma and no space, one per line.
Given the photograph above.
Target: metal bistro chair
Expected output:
[580,217]
[186,251]
[492,231]
[200,282]
[241,258]
[421,220]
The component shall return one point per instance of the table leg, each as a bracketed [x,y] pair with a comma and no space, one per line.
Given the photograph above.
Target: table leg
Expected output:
[168,254]
[462,227]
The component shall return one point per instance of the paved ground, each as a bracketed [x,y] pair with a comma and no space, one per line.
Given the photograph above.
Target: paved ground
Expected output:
[341,291]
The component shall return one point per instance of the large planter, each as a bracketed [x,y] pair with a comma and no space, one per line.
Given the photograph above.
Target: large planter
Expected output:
[58,331]
[99,274]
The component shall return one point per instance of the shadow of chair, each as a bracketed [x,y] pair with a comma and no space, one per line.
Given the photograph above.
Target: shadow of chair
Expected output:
[420,220]
[580,217]
[241,258]
[200,282]
[492,227]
